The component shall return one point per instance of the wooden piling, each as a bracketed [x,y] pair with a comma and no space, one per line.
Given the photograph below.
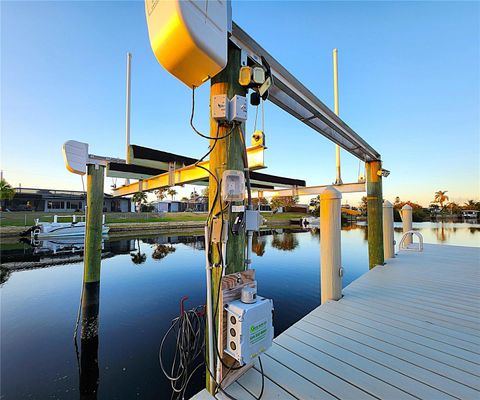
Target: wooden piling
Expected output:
[330,245]
[388,238]
[407,217]
[227,154]
[89,373]
[92,251]
[374,213]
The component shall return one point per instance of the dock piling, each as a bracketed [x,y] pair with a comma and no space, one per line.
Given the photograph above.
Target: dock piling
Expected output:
[89,372]
[407,222]
[374,213]
[388,240]
[330,245]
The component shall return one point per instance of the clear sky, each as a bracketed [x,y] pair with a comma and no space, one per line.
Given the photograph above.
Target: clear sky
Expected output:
[408,72]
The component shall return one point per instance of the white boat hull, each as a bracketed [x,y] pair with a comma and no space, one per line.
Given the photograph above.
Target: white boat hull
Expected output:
[63,229]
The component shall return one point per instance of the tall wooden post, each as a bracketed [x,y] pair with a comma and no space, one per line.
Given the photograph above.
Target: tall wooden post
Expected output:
[227,154]
[388,238]
[330,244]
[407,217]
[89,373]
[374,213]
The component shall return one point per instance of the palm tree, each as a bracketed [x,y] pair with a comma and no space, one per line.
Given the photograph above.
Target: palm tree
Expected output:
[172,192]
[138,199]
[6,191]
[160,193]
[471,205]
[441,197]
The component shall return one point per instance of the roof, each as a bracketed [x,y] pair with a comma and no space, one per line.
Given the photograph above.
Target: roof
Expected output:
[53,192]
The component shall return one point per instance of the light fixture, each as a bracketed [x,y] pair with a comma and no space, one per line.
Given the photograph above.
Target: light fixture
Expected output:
[383,172]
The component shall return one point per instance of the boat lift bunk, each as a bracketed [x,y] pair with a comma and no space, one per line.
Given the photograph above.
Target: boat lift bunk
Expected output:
[169,169]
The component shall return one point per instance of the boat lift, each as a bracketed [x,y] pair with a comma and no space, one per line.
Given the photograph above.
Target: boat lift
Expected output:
[195,44]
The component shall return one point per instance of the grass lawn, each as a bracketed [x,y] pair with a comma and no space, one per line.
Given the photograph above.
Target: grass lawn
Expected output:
[27,218]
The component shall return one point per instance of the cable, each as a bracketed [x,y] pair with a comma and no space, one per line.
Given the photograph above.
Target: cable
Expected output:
[189,330]
[192,115]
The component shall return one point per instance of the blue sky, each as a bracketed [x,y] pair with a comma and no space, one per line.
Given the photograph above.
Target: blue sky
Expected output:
[408,73]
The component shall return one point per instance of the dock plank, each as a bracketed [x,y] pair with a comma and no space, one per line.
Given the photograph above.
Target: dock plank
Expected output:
[430,339]
[402,343]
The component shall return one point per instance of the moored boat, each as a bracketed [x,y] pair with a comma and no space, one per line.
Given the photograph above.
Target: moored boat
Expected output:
[59,229]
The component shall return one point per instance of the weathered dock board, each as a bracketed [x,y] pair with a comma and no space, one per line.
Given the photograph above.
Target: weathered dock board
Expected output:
[409,329]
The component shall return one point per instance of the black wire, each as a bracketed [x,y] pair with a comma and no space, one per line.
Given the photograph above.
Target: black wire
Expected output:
[189,330]
[192,115]
[261,389]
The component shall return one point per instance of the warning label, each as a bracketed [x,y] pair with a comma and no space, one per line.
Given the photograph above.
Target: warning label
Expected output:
[258,331]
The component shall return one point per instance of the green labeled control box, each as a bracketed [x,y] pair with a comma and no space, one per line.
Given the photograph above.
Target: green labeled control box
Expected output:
[249,329]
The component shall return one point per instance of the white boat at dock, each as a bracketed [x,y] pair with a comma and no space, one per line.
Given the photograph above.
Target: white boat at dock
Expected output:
[75,227]
[310,222]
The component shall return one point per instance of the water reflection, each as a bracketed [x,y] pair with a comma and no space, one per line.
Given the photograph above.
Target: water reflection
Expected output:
[89,371]
[286,241]
[161,251]
[259,243]
[138,257]
[137,304]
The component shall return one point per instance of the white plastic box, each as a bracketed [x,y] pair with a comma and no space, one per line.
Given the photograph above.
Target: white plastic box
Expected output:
[233,185]
[189,38]
[249,329]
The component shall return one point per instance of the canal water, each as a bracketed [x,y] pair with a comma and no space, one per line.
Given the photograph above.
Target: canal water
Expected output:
[142,281]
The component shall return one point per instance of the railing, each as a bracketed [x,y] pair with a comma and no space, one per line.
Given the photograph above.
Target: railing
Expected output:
[407,240]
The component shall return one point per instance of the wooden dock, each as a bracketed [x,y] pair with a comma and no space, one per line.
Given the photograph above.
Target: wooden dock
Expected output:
[409,329]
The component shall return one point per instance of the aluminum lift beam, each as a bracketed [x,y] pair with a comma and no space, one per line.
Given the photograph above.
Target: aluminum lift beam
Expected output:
[310,190]
[292,96]
[179,176]
[258,180]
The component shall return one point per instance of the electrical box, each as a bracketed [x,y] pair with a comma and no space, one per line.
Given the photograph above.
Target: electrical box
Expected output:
[249,329]
[233,185]
[238,108]
[219,231]
[253,220]
[220,107]
[189,38]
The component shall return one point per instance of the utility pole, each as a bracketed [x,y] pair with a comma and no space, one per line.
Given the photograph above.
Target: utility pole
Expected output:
[227,154]
[374,213]
[338,180]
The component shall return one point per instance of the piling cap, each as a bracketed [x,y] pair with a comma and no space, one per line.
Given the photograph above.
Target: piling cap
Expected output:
[330,193]
[387,204]
[406,207]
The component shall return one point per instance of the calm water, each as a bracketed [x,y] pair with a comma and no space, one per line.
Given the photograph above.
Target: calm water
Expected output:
[142,282]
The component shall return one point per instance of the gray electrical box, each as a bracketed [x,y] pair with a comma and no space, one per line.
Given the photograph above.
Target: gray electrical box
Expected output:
[238,108]
[220,107]
[249,329]
[253,220]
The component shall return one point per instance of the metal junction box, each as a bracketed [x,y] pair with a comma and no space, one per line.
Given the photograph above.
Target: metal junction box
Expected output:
[249,329]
